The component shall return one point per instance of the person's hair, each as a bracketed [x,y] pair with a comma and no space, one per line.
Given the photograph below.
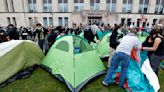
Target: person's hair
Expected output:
[155,31]
[116,28]
[134,30]
[38,24]
[11,25]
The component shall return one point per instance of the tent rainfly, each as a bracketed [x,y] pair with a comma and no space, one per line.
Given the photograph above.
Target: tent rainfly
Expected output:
[17,55]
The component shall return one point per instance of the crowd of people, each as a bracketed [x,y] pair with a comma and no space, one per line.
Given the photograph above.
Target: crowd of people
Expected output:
[46,36]
[120,49]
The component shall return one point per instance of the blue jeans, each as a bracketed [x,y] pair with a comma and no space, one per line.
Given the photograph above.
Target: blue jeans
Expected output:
[116,59]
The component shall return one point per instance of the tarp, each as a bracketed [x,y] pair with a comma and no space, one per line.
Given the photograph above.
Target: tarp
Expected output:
[74,61]
[17,55]
[139,76]
[162,64]
[148,71]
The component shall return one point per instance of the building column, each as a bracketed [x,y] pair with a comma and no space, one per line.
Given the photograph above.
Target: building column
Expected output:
[55,6]
[25,5]
[39,19]
[55,20]
[39,5]
[151,6]
[18,8]
[9,5]
[20,20]
[135,6]
[3,20]
[119,4]
[3,5]
[87,4]
[102,4]
[70,5]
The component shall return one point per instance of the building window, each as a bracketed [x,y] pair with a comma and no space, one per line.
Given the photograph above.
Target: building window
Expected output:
[127,6]
[111,5]
[32,6]
[45,21]
[63,21]
[95,4]
[51,21]
[60,21]
[63,5]
[14,21]
[78,5]
[47,5]
[8,20]
[143,6]
[159,8]
[129,20]
[122,21]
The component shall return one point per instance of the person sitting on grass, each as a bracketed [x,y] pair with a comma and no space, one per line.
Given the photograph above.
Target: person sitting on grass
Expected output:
[122,54]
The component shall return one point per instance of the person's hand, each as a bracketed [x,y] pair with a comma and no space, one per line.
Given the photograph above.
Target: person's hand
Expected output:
[142,48]
[98,41]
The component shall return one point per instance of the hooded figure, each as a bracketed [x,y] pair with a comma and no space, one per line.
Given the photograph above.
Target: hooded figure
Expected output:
[12,32]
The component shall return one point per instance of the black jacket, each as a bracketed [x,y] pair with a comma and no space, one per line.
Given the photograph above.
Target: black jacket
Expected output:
[88,34]
[113,40]
[148,44]
[37,31]
[13,34]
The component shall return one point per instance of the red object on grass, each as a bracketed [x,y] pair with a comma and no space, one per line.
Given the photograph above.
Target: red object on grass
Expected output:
[134,55]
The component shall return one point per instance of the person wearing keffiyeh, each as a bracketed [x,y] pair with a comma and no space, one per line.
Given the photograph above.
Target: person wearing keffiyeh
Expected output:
[40,33]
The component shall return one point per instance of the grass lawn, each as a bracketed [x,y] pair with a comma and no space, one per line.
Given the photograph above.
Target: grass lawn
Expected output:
[42,81]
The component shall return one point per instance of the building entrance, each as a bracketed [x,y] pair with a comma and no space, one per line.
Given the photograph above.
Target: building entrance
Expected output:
[94,19]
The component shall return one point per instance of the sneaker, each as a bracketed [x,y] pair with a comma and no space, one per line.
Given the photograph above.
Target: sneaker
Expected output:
[104,83]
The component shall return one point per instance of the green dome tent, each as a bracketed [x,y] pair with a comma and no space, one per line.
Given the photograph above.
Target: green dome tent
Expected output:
[17,55]
[103,47]
[74,61]
[143,37]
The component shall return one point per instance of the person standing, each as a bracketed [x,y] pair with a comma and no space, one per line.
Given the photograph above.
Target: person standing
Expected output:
[122,55]
[157,49]
[24,33]
[40,33]
[12,32]
[149,43]
[51,36]
[2,35]
[113,44]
